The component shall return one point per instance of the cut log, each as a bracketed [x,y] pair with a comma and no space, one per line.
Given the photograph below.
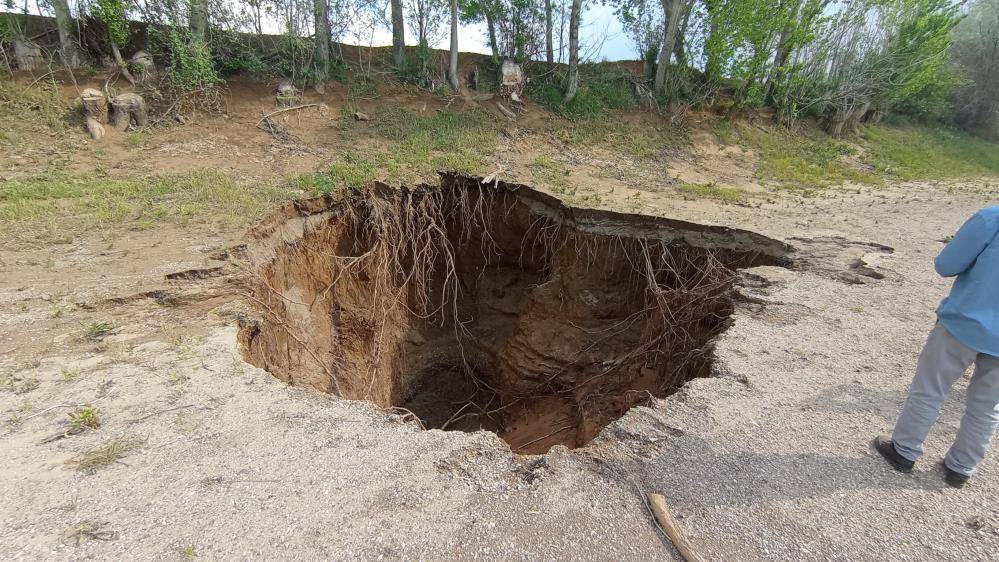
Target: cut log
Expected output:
[672,528]
[95,105]
[95,128]
[128,109]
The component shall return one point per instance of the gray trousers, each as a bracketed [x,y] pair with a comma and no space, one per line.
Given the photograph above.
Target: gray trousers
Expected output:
[942,362]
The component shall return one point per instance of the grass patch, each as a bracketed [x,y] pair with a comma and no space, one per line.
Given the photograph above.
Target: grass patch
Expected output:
[107,453]
[800,160]
[616,134]
[910,153]
[401,146]
[711,190]
[63,203]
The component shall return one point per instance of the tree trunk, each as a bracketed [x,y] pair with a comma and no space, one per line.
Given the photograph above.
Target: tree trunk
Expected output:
[781,56]
[671,11]
[198,19]
[452,65]
[712,67]
[118,60]
[64,22]
[572,80]
[398,35]
[680,45]
[491,26]
[549,44]
[322,38]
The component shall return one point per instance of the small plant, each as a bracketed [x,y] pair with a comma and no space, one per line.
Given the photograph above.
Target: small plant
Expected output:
[188,553]
[97,331]
[135,139]
[84,417]
[108,453]
[70,375]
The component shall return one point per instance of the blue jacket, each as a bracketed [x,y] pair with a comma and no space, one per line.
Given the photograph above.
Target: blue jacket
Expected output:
[971,312]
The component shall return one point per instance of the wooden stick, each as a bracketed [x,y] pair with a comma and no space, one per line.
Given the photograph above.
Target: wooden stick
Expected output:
[670,526]
[273,113]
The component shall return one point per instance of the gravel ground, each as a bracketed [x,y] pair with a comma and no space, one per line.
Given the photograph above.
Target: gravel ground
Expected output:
[769,459]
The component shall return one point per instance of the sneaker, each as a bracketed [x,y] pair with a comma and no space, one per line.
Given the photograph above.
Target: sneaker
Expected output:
[883,445]
[953,478]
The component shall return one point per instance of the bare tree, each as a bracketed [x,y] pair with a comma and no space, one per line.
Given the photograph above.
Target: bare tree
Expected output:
[572,80]
[322,37]
[452,67]
[64,22]
[198,18]
[549,43]
[398,35]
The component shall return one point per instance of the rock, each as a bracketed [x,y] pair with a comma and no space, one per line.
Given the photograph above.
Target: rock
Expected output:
[361,116]
[286,93]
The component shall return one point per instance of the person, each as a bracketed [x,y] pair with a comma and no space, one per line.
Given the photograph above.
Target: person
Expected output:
[967,331]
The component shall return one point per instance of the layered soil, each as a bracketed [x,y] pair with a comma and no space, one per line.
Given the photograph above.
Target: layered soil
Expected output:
[492,306]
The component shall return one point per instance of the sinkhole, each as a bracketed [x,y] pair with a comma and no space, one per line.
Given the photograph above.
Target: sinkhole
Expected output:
[491,306]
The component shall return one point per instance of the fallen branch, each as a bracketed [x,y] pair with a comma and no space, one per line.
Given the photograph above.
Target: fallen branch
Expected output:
[671,527]
[273,113]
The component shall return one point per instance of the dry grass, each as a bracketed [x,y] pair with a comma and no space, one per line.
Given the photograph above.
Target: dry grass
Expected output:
[107,453]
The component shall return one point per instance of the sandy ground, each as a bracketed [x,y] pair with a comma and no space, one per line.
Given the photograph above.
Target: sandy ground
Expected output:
[769,459]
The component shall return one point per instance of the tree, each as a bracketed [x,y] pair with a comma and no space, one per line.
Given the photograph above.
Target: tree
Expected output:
[198,19]
[112,13]
[398,35]
[64,23]
[672,10]
[976,51]
[642,20]
[549,43]
[426,20]
[572,79]
[452,67]
[322,38]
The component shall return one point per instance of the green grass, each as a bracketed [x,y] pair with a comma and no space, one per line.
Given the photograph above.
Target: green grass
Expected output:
[809,160]
[65,202]
[401,146]
[615,134]
[911,153]
[711,191]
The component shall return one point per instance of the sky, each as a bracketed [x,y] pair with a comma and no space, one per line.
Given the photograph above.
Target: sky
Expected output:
[601,34]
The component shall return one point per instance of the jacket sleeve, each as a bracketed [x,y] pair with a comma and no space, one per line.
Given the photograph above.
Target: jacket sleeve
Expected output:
[961,252]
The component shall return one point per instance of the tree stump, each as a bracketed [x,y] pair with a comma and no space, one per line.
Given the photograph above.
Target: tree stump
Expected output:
[128,109]
[95,105]
[145,68]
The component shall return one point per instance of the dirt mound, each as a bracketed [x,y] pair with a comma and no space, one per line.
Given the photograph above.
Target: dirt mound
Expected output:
[491,306]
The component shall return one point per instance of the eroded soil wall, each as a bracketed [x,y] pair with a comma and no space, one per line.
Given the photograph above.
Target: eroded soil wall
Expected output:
[491,306]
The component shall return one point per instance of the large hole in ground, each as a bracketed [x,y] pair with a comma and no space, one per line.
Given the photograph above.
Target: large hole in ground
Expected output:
[491,306]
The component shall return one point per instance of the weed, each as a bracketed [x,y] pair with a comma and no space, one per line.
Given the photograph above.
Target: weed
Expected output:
[107,453]
[613,133]
[84,417]
[551,174]
[70,375]
[711,190]
[96,331]
[135,139]
[188,553]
